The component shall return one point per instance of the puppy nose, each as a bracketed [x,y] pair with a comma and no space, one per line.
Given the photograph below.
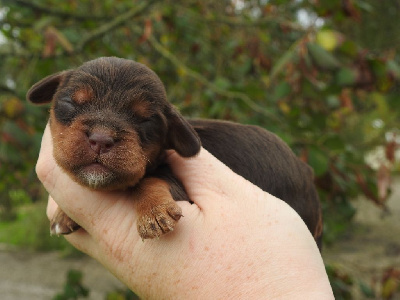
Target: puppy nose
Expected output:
[101,142]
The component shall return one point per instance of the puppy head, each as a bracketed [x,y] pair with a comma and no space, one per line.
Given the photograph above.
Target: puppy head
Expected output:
[110,122]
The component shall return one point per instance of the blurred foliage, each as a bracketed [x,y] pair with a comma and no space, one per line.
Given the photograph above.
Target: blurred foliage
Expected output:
[30,230]
[341,283]
[73,288]
[122,294]
[323,75]
[387,286]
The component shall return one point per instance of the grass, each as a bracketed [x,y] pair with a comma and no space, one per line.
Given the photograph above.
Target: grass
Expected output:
[30,230]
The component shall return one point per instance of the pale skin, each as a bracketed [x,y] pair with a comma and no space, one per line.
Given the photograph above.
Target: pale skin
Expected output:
[234,242]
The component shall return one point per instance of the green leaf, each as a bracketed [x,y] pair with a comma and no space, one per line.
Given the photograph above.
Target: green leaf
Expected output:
[333,101]
[334,143]
[378,67]
[116,295]
[280,64]
[328,39]
[365,6]
[74,277]
[380,102]
[44,22]
[349,48]
[318,160]
[322,58]
[389,287]
[281,91]
[394,68]
[217,108]
[346,77]
[222,83]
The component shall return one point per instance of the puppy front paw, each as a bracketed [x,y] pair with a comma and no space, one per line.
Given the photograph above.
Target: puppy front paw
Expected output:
[158,220]
[62,224]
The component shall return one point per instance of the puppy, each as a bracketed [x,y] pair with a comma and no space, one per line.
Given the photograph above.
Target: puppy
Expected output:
[111,124]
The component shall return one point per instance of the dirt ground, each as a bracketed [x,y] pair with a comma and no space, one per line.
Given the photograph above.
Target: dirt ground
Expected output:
[372,244]
[40,276]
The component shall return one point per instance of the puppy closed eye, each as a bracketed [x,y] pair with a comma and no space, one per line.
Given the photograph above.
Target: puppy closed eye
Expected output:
[65,110]
[148,129]
[145,121]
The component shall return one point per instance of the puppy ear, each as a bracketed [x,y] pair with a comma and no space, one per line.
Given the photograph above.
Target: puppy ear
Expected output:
[181,135]
[44,90]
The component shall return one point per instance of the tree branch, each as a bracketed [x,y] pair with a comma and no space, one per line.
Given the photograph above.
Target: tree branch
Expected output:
[56,12]
[239,22]
[118,21]
[105,28]
[197,76]
[5,89]
[19,23]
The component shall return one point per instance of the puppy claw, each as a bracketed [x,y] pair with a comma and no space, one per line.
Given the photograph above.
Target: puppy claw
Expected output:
[159,220]
[55,229]
[62,224]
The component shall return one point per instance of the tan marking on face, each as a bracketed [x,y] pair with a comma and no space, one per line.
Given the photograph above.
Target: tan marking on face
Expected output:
[142,109]
[83,95]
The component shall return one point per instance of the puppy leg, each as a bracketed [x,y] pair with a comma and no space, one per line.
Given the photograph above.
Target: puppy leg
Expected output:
[157,210]
[62,224]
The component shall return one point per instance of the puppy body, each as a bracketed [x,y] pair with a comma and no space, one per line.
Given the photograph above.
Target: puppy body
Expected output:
[262,158]
[111,124]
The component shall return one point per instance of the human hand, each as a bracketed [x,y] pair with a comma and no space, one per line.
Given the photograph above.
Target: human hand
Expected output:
[235,241]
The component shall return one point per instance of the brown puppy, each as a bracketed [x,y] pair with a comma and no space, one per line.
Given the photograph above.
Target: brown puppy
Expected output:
[111,124]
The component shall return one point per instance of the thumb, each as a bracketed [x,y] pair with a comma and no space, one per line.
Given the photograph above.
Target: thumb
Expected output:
[204,176]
